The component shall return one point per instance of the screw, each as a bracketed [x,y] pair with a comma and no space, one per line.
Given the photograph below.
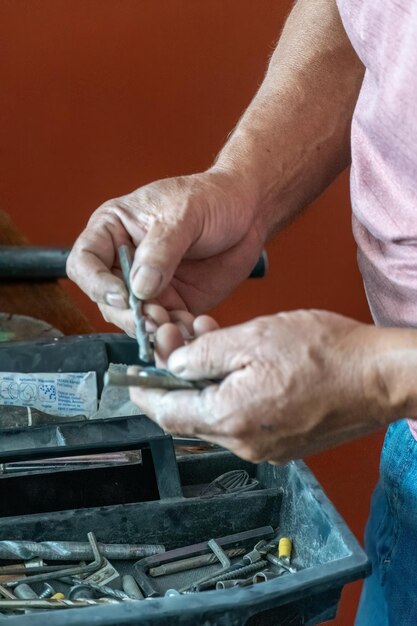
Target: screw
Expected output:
[240,572]
[48,592]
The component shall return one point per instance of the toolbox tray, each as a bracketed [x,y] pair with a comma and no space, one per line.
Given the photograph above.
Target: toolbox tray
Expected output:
[134,504]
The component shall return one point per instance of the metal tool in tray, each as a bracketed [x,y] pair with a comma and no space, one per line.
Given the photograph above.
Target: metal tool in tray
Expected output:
[239,560]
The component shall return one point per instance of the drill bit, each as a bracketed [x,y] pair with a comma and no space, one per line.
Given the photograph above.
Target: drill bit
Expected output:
[145,350]
[74,550]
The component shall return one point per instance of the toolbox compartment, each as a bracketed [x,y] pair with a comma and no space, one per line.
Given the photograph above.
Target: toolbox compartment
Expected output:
[133,504]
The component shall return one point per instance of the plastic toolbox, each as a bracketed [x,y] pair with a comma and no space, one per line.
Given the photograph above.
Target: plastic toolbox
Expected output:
[157,500]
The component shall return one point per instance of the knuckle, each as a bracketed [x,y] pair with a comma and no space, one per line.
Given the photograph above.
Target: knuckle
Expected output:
[70,267]
[107,207]
[94,294]
[104,312]
[204,353]
[250,453]
[261,327]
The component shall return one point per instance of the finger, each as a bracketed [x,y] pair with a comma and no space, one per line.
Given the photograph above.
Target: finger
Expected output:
[199,414]
[167,339]
[204,324]
[212,355]
[209,413]
[174,411]
[157,314]
[122,318]
[90,262]
[184,321]
[158,256]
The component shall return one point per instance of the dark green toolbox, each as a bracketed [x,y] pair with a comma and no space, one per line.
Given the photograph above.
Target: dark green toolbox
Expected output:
[160,499]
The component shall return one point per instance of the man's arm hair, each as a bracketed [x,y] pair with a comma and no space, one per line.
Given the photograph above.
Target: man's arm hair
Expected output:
[293,139]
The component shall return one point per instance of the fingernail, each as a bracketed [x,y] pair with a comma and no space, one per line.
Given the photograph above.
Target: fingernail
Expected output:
[177,361]
[145,281]
[115,299]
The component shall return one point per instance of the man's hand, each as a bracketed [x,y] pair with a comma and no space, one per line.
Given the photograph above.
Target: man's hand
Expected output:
[195,238]
[198,240]
[294,383]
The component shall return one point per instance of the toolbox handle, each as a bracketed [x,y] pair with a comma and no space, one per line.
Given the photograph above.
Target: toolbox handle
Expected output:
[26,263]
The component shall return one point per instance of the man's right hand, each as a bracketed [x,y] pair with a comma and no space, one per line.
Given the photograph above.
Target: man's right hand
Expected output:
[194,239]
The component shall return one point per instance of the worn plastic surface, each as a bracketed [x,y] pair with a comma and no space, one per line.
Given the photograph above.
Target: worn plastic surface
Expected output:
[289,498]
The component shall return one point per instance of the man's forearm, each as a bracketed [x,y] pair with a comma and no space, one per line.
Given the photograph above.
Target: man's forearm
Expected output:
[294,137]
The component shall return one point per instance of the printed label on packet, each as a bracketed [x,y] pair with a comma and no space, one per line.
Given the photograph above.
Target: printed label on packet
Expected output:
[59,394]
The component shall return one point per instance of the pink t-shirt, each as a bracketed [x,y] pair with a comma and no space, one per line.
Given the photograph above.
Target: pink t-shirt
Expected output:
[384,156]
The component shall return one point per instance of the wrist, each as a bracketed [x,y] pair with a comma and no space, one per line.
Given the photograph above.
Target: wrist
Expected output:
[246,160]
[241,192]
[391,379]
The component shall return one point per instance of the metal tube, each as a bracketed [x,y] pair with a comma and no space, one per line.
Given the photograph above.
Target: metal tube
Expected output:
[131,588]
[25,592]
[264,576]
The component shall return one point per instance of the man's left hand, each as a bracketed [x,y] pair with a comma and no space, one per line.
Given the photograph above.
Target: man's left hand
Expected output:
[292,384]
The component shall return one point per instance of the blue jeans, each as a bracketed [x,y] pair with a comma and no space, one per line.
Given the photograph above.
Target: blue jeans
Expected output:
[389,596]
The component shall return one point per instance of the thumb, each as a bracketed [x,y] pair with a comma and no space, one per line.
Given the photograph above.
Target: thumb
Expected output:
[158,256]
[213,355]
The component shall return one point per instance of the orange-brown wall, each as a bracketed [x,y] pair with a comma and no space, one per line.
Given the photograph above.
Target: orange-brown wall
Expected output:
[101,96]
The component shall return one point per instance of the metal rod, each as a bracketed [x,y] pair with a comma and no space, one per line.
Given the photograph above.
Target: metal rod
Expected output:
[6,593]
[192,563]
[55,573]
[142,337]
[154,381]
[13,605]
[197,549]
[74,550]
